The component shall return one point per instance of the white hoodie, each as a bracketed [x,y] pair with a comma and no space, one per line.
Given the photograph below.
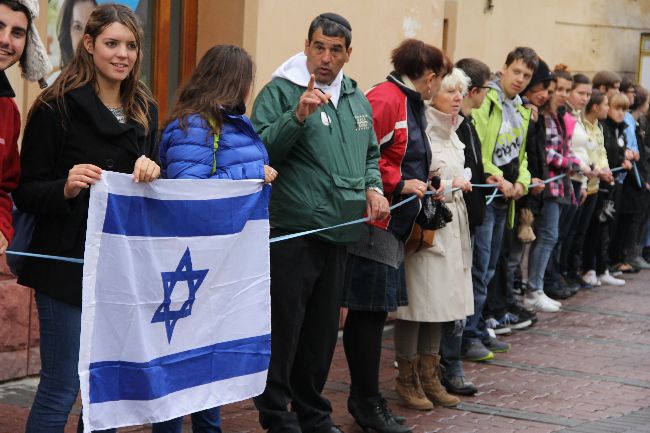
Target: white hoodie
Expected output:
[295,70]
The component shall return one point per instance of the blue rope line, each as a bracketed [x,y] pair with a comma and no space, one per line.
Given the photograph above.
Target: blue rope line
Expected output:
[46,256]
[636,175]
[309,232]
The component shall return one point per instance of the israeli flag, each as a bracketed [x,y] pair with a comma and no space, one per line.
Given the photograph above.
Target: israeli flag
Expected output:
[176,306]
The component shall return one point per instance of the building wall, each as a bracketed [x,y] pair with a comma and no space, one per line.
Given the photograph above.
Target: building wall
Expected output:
[274,30]
[586,35]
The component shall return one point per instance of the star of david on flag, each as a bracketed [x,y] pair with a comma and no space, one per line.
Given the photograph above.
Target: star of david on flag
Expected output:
[183,272]
[176,303]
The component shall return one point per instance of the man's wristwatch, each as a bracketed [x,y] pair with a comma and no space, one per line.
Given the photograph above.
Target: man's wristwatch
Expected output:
[375,189]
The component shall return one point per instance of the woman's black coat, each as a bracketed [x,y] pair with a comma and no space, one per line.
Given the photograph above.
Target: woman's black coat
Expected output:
[55,140]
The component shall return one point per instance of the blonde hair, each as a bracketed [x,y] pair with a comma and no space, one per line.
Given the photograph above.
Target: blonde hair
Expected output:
[456,79]
[619,100]
[136,97]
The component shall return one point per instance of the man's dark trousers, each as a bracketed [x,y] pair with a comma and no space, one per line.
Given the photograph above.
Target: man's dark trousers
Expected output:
[306,292]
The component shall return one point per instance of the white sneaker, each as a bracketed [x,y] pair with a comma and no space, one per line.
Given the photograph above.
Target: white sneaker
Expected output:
[552,301]
[590,278]
[608,280]
[536,301]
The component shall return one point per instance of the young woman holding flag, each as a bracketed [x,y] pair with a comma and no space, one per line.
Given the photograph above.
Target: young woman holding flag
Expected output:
[96,116]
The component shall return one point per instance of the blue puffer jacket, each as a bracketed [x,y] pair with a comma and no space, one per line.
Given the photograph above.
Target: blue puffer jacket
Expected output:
[188,154]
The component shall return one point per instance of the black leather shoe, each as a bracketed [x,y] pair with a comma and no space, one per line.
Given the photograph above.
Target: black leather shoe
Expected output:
[459,385]
[398,419]
[559,293]
[372,414]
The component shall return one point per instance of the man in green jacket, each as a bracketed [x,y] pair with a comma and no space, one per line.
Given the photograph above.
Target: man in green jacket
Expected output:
[501,125]
[317,127]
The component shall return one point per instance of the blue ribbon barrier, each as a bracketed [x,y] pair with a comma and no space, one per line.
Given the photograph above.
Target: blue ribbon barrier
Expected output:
[309,232]
[636,175]
[46,256]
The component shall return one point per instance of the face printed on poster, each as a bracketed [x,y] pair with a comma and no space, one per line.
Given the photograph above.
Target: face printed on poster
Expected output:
[66,21]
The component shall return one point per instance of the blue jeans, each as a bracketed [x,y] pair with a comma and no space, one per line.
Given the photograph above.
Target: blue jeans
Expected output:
[205,421]
[60,327]
[546,230]
[487,246]
[450,344]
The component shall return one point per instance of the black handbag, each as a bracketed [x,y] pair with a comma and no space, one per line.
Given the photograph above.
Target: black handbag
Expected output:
[434,214]
[23,232]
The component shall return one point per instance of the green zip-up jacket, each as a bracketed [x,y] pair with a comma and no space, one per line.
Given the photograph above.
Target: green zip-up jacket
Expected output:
[324,165]
[487,121]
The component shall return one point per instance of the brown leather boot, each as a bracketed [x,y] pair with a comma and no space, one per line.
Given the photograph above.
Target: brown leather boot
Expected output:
[408,387]
[429,372]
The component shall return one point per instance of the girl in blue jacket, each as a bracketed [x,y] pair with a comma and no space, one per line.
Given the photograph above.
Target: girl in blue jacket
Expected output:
[208,136]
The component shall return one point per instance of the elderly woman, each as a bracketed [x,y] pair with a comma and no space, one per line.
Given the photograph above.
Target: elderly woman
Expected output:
[438,279]
[374,278]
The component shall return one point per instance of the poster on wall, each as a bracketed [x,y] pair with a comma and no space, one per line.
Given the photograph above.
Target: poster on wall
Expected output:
[66,20]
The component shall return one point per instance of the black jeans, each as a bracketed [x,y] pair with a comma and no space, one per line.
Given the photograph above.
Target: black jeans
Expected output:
[595,249]
[306,291]
[573,244]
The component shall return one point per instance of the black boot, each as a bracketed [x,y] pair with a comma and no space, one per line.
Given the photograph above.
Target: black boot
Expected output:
[372,414]
[384,403]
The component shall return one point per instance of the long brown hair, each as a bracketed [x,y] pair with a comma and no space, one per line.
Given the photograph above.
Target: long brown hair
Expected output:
[222,78]
[134,94]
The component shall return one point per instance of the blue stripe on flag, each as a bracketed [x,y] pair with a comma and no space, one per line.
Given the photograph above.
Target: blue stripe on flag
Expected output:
[143,216]
[119,380]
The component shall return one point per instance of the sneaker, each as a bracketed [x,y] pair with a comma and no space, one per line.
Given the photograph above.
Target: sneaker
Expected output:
[496,346]
[536,301]
[513,321]
[459,385]
[639,263]
[552,301]
[626,268]
[476,351]
[646,254]
[523,313]
[559,293]
[497,326]
[590,278]
[608,280]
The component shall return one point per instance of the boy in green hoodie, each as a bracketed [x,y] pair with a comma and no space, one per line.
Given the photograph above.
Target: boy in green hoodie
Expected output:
[501,124]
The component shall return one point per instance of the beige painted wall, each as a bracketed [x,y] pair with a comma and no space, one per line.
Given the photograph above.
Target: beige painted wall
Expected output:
[219,22]
[377,27]
[586,35]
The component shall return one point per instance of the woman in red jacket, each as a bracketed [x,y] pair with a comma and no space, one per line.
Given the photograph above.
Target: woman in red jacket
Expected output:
[374,279]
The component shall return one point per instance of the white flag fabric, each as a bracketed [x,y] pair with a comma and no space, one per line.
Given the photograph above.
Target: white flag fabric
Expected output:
[176,304]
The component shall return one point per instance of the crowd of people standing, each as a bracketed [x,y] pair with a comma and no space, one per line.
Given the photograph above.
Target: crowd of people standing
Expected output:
[517,189]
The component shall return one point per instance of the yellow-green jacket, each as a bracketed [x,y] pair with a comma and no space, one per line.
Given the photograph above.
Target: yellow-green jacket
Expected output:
[487,121]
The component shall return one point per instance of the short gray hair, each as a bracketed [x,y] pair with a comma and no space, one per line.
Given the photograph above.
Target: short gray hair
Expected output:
[456,79]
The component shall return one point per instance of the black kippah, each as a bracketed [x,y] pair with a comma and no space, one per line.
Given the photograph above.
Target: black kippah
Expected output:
[338,19]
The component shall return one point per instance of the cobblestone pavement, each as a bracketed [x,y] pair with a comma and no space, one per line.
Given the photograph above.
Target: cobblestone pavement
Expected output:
[585,369]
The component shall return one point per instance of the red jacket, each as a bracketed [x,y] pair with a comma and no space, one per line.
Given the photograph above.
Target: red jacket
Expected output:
[9,158]
[399,123]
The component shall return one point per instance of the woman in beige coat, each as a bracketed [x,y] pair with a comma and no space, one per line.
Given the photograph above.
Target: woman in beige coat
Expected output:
[438,279]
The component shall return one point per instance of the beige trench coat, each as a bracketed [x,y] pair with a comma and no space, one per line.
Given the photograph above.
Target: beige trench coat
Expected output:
[439,279]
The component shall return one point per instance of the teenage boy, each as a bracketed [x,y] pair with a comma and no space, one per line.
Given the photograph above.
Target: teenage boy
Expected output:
[503,312]
[453,377]
[501,124]
[19,41]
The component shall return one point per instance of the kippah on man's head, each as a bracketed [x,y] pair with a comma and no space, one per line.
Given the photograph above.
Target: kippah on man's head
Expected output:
[337,19]
[332,25]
